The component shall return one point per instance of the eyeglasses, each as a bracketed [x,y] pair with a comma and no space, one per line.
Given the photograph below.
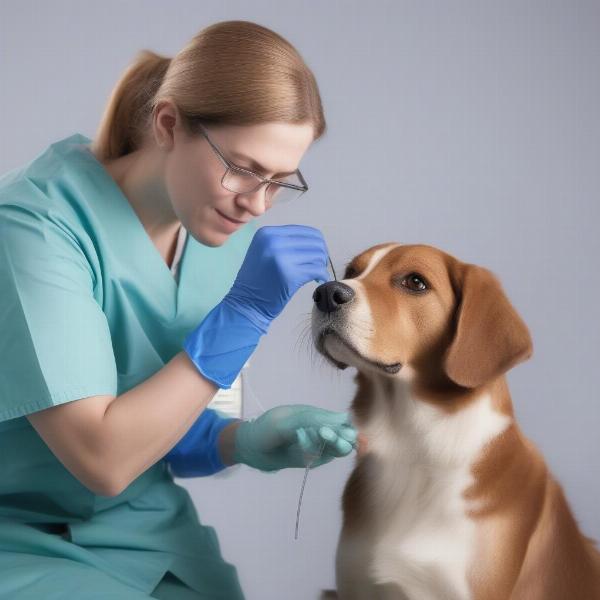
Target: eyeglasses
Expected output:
[243,181]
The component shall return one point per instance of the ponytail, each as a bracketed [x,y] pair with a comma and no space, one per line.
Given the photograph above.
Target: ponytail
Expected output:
[125,117]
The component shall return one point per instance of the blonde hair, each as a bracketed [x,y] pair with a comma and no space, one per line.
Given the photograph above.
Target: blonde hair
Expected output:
[230,73]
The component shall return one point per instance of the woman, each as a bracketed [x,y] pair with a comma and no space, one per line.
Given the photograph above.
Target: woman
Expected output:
[105,300]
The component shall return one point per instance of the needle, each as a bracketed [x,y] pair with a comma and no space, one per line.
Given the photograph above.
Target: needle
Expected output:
[308,466]
[322,445]
[332,269]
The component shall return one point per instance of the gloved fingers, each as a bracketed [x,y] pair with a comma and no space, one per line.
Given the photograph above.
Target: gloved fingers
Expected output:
[300,454]
[311,261]
[311,444]
[343,434]
[303,439]
[305,415]
[348,433]
[295,435]
[316,459]
[293,455]
[294,234]
[304,241]
[291,230]
[305,250]
[318,273]
[306,444]
[336,445]
[315,439]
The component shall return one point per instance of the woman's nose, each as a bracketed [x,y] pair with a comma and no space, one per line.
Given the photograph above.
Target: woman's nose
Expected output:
[331,296]
[254,202]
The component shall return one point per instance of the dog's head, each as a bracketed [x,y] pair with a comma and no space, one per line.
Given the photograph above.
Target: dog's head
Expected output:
[413,308]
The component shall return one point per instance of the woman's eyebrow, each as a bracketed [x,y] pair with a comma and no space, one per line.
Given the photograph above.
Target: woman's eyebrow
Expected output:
[258,167]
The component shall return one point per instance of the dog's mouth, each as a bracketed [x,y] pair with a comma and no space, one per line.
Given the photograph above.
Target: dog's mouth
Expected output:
[347,351]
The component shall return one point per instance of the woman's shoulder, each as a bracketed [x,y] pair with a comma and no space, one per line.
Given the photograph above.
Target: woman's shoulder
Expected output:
[48,164]
[49,187]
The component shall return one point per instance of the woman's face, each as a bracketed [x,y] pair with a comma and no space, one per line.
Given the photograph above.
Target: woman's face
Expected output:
[193,171]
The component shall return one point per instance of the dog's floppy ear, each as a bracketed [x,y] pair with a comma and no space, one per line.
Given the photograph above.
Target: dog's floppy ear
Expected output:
[490,337]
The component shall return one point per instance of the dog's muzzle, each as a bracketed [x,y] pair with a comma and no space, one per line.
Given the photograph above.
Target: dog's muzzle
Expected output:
[329,298]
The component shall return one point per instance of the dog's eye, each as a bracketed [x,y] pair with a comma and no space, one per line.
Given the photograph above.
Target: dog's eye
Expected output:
[414,282]
[350,272]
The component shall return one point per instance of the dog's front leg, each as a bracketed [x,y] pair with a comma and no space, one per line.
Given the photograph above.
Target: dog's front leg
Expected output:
[354,574]
[352,560]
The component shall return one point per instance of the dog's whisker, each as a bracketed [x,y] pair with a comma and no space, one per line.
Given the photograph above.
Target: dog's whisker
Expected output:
[303,336]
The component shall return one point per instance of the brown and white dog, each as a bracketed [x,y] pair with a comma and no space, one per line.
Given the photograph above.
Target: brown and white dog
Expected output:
[449,500]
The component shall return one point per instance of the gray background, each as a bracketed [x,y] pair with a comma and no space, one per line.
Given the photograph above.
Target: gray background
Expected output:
[473,127]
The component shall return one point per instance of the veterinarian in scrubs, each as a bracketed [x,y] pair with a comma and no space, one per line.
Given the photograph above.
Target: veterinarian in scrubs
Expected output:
[126,287]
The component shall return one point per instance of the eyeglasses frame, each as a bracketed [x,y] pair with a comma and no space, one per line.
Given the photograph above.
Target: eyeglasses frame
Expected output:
[230,166]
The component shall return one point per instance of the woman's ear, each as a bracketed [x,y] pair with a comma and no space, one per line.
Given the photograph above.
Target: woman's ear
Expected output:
[490,337]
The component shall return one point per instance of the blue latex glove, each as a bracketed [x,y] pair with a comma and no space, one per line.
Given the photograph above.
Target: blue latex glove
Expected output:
[197,452]
[292,436]
[279,260]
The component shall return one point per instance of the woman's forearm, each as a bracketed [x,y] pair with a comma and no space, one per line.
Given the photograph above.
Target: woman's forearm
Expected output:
[141,425]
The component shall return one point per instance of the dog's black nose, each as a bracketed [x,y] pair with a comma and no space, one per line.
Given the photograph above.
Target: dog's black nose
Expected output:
[330,296]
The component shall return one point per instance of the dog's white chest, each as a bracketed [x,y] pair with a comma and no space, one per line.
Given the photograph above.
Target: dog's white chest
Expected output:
[426,547]
[425,540]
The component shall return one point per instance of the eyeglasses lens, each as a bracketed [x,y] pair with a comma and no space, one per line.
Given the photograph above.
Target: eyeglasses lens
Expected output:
[242,182]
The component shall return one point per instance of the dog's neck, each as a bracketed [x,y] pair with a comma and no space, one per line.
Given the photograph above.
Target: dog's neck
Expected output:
[421,453]
[407,422]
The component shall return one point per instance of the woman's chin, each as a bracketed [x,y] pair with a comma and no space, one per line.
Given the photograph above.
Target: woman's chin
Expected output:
[210,237]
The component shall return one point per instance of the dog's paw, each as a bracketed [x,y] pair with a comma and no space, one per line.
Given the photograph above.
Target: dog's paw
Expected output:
[328,595]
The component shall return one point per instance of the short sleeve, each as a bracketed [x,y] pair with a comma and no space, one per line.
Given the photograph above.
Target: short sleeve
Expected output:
[55,344]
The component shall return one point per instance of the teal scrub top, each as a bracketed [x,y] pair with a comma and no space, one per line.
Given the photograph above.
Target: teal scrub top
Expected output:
[88,306]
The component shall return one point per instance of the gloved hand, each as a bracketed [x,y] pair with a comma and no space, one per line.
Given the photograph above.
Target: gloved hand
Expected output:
[292,436]
[280,259]
[196,454]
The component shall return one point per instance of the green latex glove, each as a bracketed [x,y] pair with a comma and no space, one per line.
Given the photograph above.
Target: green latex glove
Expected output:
[292,436]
